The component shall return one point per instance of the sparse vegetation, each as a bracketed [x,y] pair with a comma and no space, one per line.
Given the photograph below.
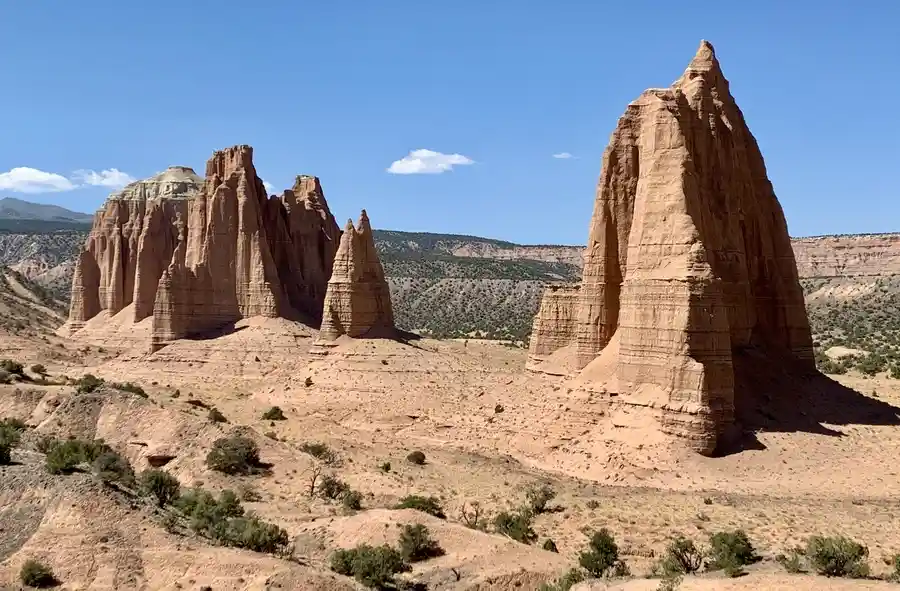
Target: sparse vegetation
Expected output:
[730,551]
[792,561]
[602,556]
[111,466]
[516,525]
[373,566]
[216,416]
[332,488]
[550,546]
[352,500]
[682,557]
[430,505]
[538,497]
[88,383]
[10,435]
[416,544]
[64,457]
[12,367]
[39,369]
[160,485]
[36,574]
[565,582]
[234,455]
[416,457]
[274,414]
[837,556]
[385,467]
[321,452]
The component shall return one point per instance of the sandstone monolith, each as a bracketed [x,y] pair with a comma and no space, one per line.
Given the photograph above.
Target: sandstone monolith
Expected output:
[199,254]
[358,300]
[688,264]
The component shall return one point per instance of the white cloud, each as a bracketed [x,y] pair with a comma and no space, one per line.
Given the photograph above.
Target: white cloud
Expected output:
[563,156]
[269,186]
[32,180]
[428,162]
[110,177]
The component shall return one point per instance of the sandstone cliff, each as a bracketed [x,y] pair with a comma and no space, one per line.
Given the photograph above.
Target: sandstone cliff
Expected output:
[358,301]
[688,261]
[198,255]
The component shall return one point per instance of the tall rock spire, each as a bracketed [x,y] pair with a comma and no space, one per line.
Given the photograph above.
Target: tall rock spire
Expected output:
[358,300]
[688,263]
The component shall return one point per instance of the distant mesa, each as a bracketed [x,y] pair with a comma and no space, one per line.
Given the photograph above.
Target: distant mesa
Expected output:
[198,254]
[688,268]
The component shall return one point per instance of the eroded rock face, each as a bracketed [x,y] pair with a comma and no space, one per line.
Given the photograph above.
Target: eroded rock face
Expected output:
[554,325]
[688,261]
[200,254]
[358,300]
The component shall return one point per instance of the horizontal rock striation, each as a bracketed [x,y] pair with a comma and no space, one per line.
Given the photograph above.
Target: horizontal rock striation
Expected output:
[199,254]
[554,325]
[358,300]
[688,261]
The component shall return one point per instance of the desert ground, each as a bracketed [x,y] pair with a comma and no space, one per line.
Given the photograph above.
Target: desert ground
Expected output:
[489,429]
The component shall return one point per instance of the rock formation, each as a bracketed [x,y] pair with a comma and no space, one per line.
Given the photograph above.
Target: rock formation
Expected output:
[358,300]
[198,255]
[554,324]
[688,263]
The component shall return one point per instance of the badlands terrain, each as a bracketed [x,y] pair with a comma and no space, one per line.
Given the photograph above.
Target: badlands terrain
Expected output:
[673,398]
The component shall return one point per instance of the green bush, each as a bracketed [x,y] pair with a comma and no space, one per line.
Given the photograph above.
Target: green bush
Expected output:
[515,525]
[320,451]
[251,533]
[373,566]
[160,485]
[416,457]
[129,387]
[274,414]
[36,574]
[88,383]
[602,554]
[13,367]
[63,457]
[352,500]
[234,455]
[791,562]
[332,488]
[416,544]
[538,497]
[430,505]
[895,563]
[565,582]
[9,438]
[729,551]
[111,466]
[216,416]
[837,557]
[682,557]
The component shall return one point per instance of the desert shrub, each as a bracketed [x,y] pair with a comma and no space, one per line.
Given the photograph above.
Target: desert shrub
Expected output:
[88,383]
[14,423]
[233,455]
[129,387]
[352,500]
[416,544]
[308,382]
[224,521]
[682,556]
[416,457]
[670,582]
[550,546]
[538,497]
[274,414]
[230,504]
[320,451]
[216,416]
[5,377]
[602,554]
[430,505]
[565,582]
[36,574]
[837,557]
[331,487]
[9,438]
[160,485]
[895,564]
[373,566]
[111,466]
[515,525]
[64,457]
[251,533]
[385,467]
[791,562]
[38,369]
[44,444]
[12,367]
[729,551]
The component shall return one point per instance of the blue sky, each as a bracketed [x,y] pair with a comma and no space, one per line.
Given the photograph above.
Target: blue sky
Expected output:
[342,89]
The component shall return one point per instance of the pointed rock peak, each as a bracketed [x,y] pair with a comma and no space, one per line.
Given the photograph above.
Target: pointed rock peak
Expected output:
[224,162]
[704,64]
[363,225]
[349,226]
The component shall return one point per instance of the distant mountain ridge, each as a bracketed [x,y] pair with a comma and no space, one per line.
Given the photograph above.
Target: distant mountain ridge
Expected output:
[12,208]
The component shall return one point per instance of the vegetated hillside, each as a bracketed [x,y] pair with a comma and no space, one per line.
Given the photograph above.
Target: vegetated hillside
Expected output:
[25,306]
[16,209]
